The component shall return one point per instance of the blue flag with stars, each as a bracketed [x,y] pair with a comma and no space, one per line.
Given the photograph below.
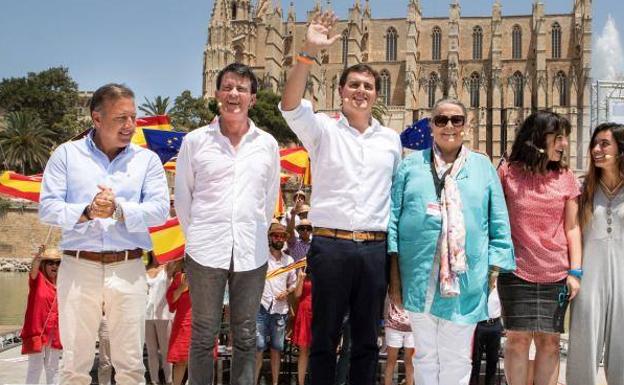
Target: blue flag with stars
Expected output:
[165,144]
[417,136]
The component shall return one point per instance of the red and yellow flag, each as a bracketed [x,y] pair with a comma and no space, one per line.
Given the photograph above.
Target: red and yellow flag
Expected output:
[279,205]
[168,241]
[20,186]
[170,165]
[158,122]
[296,160]
[295,265]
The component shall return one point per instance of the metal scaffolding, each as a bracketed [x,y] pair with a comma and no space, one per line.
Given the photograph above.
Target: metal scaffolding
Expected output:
[605,94]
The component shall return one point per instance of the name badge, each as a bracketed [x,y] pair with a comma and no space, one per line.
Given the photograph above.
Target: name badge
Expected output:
[434,209]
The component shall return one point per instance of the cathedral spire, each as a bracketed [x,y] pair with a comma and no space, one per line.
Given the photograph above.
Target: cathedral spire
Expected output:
[292,15]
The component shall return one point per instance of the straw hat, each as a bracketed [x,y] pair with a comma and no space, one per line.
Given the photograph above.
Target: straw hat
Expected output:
[51,255]
[304,222]
[277,228]
[304,209]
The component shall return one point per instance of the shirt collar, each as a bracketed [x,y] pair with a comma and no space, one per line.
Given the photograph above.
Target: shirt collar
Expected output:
[93,147]
[215,127]
[372,128]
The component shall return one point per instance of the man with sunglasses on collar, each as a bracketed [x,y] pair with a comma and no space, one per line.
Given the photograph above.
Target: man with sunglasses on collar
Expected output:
[353,160]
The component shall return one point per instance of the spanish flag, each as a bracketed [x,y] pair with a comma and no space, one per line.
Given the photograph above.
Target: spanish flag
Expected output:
[20,186]
[295,265]
[158,122]
[168,241]
[297,161]
[171,164]
[279,205]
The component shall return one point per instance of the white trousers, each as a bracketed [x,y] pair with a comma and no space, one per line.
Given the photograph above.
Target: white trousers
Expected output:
[82,287]
[48,359]
[157,333]
[443,350]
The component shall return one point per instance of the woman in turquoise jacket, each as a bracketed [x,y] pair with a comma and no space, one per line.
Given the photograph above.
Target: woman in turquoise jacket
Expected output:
[448,233]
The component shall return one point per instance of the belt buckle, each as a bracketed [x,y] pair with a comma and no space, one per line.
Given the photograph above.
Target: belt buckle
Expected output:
[355,238]
[491,321]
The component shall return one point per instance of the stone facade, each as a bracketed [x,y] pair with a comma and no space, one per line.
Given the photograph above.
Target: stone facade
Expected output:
[502,67]
[21,232]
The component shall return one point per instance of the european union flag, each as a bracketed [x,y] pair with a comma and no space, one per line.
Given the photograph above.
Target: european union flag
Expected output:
[164,143]
[417,136]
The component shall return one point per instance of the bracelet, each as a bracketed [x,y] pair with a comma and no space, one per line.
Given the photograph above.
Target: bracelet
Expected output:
[578,273]
[304,60]
[307,55]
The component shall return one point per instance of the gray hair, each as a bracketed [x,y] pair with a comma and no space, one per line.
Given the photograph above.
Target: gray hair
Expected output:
[449,101]
[110,91]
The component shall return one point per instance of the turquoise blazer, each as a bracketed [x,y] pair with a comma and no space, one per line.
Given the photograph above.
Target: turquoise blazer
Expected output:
[413,234]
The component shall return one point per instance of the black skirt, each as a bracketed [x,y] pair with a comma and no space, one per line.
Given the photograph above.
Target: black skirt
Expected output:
[532,307]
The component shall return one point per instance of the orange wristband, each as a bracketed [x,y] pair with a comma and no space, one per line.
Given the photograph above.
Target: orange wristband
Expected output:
[304,60]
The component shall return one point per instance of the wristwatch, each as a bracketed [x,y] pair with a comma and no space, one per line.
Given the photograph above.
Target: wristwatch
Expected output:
[118,213]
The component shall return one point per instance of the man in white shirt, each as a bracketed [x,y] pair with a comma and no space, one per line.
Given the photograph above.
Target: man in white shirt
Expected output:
[353,160]
[227,181]
[273,313]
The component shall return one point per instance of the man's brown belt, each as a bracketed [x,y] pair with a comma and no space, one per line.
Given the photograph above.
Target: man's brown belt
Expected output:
[355,236]
[105,256]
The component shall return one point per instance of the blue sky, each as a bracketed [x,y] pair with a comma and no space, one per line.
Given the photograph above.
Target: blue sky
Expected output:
[155,46]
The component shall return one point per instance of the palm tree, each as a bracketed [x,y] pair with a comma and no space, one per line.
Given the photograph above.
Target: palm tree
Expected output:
[379,110]
[25,142]
[159,106]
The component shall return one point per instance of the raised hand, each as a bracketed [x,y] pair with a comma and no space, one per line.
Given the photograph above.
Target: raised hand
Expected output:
[318,35]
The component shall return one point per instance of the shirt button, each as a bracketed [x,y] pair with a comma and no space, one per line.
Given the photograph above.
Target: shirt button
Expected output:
[608,221]
[609,230]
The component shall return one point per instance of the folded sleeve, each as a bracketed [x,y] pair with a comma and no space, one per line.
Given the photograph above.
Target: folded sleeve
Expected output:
[307,125]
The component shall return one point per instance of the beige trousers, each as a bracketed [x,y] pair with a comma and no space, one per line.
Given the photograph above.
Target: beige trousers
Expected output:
[82,287]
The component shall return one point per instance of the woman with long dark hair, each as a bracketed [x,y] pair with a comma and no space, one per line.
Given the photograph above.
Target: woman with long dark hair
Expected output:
[598,311]
[541,194]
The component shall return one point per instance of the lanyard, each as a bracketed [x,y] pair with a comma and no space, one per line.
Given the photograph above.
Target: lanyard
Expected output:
[437,181]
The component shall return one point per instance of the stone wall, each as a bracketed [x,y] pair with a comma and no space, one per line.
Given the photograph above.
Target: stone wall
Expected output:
[21,232]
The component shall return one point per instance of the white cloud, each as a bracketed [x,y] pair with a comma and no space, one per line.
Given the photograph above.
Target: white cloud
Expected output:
[608,59]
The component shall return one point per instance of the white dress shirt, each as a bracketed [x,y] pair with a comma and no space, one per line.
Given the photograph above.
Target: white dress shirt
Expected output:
[157,308]
[276,285]
[352,171]
[225,197]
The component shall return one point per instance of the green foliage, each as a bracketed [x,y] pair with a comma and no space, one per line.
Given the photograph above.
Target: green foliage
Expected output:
[51,94]
[25,142]
[379,111]
[267,116]
[71,125]
[159,106]
[188,112]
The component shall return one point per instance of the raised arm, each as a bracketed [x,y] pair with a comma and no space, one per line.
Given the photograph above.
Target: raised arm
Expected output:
[317,38]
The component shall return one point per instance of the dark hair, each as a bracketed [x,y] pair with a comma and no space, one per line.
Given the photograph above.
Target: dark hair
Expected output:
[242,70]
[592,177]
[529,147]
[361,68]
[110,91]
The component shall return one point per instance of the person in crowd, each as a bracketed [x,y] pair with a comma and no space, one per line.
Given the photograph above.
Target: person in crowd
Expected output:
[541,194]
[398,333]
[157,320]
[299,199]
[299,238]
[40,333]
[302,334]
[598,311]
[273,313]
[448,237]
[179,301]
[487,340]
[353,159]
[104,363]
[104,192]
[226,188]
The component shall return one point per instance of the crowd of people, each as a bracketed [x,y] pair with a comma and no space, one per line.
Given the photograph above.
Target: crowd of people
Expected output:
[427,242]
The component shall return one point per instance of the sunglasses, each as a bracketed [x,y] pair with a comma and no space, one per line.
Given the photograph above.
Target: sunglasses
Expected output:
[304,228]
[442,120]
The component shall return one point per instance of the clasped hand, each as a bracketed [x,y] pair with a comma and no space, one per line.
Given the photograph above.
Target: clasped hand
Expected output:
[103,204]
